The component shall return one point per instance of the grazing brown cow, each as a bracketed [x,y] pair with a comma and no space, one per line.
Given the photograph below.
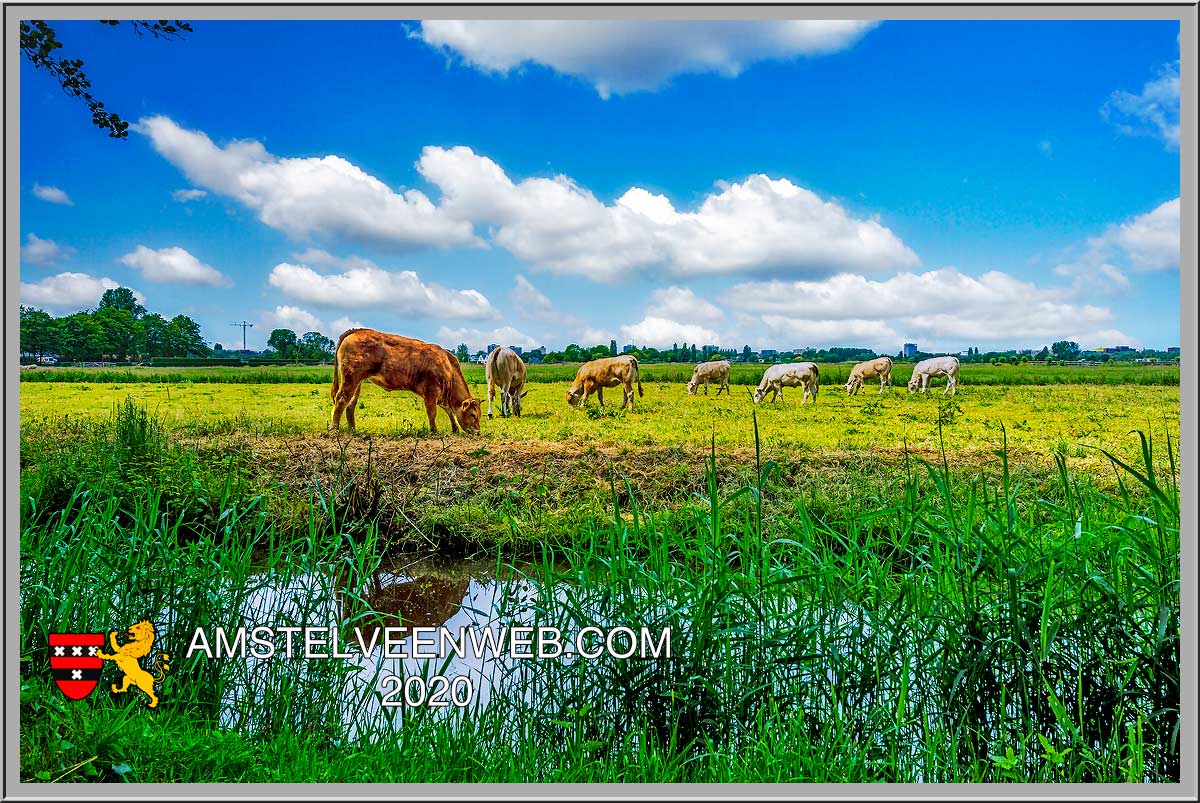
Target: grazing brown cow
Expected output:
[401,363]
[505,369]
[606,372]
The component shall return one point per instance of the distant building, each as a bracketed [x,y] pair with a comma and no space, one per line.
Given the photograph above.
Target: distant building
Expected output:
[910,349]
[1026,351]
[1172,349]
[491,347]
[769,354]
[628,348]
[517,349]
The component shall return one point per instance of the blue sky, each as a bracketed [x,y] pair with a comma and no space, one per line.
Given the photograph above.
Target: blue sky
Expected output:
[774,184]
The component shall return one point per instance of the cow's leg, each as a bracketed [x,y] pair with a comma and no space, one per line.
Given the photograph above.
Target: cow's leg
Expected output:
[350,408]
[491,395]
[431,408]
[347,391]
[600,395]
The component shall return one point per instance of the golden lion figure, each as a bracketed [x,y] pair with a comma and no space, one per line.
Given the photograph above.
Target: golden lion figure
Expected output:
[126,657]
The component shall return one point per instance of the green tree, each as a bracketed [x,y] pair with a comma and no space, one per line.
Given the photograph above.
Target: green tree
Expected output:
[315,346]
[39,332]
[462,352]
[1065,350]
[746,351]
[120,334]
[154,335]
[183,338]
[39,43]
[121,298]
[283,341]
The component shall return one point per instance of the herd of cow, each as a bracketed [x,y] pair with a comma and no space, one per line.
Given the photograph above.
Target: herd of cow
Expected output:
[395,362]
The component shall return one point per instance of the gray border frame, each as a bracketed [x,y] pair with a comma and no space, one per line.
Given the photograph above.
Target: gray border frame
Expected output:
[1185,13]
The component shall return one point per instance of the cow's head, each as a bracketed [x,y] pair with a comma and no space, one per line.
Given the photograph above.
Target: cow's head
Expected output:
[914,383]
[850,383]
[691,386]
[516,402]
[470,414]
[759,394]
[574,396]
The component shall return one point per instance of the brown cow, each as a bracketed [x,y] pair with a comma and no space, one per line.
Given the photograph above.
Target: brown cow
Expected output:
[505,369]
[401,363]
[716,371]
[606,372]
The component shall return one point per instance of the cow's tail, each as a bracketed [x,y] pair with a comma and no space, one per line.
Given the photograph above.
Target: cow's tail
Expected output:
[337,365]
[816,381]
[637,374]
[488,369]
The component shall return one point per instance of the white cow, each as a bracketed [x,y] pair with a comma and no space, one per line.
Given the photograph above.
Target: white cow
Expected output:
[789,375]
[926,370]
[505,369]
[879,367]
[716,371]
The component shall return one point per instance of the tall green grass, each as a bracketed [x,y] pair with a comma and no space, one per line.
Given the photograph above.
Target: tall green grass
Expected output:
[975,633]
[740,374]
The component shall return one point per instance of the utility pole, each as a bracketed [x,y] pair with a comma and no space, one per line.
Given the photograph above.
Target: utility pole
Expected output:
[244,326]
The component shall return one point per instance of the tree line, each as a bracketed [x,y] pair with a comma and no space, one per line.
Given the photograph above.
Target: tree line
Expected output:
[118,329]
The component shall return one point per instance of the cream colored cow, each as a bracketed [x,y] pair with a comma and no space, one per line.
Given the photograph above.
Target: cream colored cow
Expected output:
[716,372]
[933,367]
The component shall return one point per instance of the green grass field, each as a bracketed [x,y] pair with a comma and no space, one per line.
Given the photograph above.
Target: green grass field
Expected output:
[898,588]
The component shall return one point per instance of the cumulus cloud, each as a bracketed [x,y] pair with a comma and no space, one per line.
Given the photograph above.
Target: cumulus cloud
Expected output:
[297,319]
[680,303]
[936,307]
[174,265]
[37,251]
[662,332]
[1152,112]
[363,284]
[621,56]
[312,197]
[52,194]
[69,291]
[183,196]
[480,339]
[756,225]
[1146,242]
[530,303]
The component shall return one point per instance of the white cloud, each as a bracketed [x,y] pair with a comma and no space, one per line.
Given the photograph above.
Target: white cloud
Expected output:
[752,226]
[339,325]
[480,339]
[297,319]
[52,194]
[530,303]
[307,197]
[174,264]
[1149,241]
[69,291]
[621,56]
[662,332]
[364,284]
[1146,242]
[1152,112]
[937,307]
[183,196]
[37,251]
[681,304]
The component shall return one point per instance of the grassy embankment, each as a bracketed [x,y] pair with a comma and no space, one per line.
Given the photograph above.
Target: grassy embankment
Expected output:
[973,628]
